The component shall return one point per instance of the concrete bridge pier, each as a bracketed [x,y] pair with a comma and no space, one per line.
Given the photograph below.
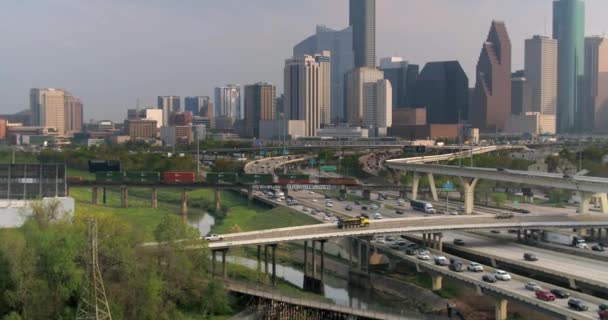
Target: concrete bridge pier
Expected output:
[250,195]
[311,282]
[103,189]
[436,282]
[468,190]
[501,309]
[218,200]
[184,206]
[214,259]
[124,196]
[432,186]
[438,241]
[154,200]
[415,184]
[367,195]
[343,193]
[94,195]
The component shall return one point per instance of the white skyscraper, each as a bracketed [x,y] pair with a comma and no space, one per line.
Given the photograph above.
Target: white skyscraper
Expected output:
[596,85]
[355,80]
[57,109]
[541,74]
[169,105]
[308,90]
[228,102]
[378,105]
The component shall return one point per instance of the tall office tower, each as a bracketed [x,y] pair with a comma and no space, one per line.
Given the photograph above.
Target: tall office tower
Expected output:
[362,18]
[195,104]
[260,104]
[74,117]
[403,77]
[443,88]
[228,102]
[378,106]
[596,84]
[492,98]
[48,109]
[569,31]
[307,87]
[340,44]
[355,79]
[541,75]
[520,93]
[169,105]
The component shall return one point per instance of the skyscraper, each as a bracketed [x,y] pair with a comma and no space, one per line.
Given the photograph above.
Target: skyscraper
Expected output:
[443,89]
[569,31]
[362,17]
[169,105]
[260,104]
[596,84]
[520,93]
[340,44]
[355,95]
[195,104]
[492,96]
[56,108]
[378,106]
[541,75]
[228,102]
[403,77]
[74,116]
[308,90]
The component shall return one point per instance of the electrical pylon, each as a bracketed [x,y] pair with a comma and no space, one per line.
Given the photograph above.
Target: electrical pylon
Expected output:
[93,304]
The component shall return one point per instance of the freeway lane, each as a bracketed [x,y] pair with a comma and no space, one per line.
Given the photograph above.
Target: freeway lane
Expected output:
[426,224]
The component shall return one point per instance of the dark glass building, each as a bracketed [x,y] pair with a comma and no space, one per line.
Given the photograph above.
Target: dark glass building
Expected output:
[520,93]
[403,77]
[443,88]
[195,104]
[362,18]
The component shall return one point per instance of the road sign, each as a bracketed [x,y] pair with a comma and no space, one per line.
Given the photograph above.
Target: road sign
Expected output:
[448,186]
[328,168]
[312,162]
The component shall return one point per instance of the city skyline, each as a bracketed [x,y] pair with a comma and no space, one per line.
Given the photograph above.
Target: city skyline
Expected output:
[109,80]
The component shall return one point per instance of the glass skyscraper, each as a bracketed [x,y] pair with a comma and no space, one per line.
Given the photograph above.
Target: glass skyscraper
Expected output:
[569,31]
[363,19]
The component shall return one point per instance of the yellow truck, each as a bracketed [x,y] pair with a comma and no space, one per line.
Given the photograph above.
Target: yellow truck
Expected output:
[361,221]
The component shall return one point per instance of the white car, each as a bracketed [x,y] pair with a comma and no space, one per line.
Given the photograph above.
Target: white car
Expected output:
[315,200]
[213,237]
[329,205]
[423,255]
[305,209]
[374,207]
[533,286]
[502,275]
[582,246]
[475,267]
[326,218]
[377,216]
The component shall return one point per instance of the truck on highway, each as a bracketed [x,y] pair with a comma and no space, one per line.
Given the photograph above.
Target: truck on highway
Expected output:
[422,206]
[361,221]
[564,239]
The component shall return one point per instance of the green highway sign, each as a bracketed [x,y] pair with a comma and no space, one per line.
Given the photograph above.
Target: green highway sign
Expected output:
[328,168]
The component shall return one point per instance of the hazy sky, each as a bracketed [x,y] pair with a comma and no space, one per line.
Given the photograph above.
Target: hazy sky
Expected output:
[110,52]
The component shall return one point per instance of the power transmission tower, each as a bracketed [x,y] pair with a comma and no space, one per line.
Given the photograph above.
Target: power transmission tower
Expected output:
[93,304]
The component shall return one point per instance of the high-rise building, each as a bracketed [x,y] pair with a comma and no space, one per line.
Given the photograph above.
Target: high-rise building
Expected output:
[362,18]
[308,90]
[140,129]
[340,44]
[169,105]
[541,75]
[3,126]
[378,106]
[355,96]
[520,93]
[228,102]
[195,104]
[492,98]
[74,117]
[443,89]
[596,84]
[569,31]
[403,77]
[260,104]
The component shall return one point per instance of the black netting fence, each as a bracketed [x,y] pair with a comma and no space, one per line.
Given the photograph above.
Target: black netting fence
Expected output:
[32,181]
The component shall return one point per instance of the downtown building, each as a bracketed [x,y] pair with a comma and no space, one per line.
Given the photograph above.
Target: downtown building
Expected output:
[260,105]
[491,102]
[57,110]
[355,92]
[227,106]
[340,44]
[403,77]
[377,107]
[307,86]
[595,111]
[201,106]
[443,89]
[169,105]
[362,18]
[569,31]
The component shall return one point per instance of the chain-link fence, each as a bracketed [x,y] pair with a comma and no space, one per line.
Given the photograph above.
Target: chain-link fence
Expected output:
[32,181]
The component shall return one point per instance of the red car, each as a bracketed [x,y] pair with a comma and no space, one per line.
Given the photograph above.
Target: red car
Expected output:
[603,314]
[545,295]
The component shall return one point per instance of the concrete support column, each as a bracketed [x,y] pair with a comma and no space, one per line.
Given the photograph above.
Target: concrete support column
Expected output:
[350,253]
[154,200]
[415,184]
[305,258]
[259,269]
[518,235]
[343,193]
[431,179]
[218,200]
[501,309]
[436,282]
[360,264]
[124,196]
[184,206]
[322,270]
[94,195]
[468,190]
[367,195]
[274,265]
[314,262]
[440,242]
[266,259]
[250,194]
[103,189]
[583,207]
[213,263]
[603,198]
[224,269]
[369,248]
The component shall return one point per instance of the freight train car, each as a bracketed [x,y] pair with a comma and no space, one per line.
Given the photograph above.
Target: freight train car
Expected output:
[340,181]
[285,179]
[174,177]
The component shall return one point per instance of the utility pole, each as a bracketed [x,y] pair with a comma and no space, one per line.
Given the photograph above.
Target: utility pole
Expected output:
[93,304]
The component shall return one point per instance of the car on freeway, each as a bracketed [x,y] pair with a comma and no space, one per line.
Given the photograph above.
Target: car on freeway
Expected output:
[391,238]
[453,213]
[348,208]
[502,275]
[582,246]
[329,205]
[423,255]
[327,197]
[395,246]
[459,242]
[374,207]
[495,231]
[530,257]
[475,267]
[533,286]
[441,261]
[457,266]
[488,278]
[410,251]
[213,237]
[603,314]
[545,295]
[560,293]
[377,216]
[577,305]
[326,218]
[305,209]
[315,200]
[399,212]
[598,248]
[364,208]
[358,203]
[603,307]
